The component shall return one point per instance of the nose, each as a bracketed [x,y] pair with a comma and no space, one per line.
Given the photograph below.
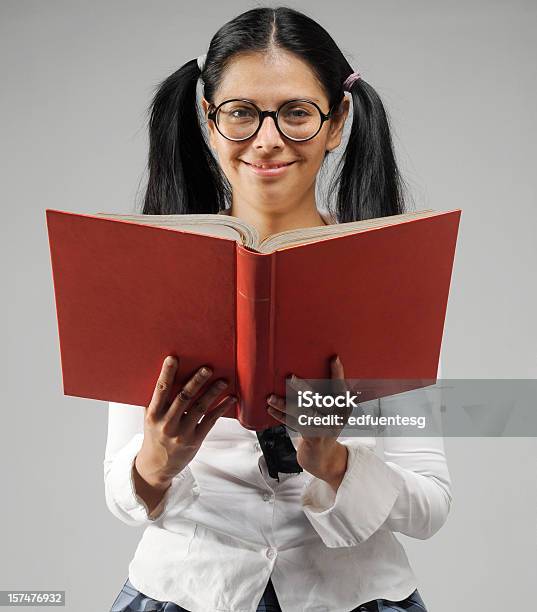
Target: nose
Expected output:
[268,135]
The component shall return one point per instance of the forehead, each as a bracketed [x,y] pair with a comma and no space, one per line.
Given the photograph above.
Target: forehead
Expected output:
[269,79]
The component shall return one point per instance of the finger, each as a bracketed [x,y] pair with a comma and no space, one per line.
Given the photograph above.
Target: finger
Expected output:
[340,387]
[292,415]
[304,421]
[189,419]
[284,410]
[337,375]
[163,386]
[187,394]
[276,401]
[285,418]
[211,417]
[292,408]
[299,384]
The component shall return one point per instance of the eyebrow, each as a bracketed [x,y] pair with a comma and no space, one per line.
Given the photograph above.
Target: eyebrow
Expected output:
[281,102]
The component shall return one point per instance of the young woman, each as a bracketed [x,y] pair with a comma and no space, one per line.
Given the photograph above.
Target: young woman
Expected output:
[237,520]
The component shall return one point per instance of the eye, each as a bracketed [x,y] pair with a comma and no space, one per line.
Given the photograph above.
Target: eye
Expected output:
[297,113]
[239,113]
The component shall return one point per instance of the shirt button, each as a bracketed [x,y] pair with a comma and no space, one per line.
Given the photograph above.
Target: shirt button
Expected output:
[271,553]
[267,497]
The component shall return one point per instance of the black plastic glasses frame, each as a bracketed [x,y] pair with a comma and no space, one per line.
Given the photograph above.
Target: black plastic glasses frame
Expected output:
[267,113]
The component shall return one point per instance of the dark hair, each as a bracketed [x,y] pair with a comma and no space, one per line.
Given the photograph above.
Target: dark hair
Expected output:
[185,177]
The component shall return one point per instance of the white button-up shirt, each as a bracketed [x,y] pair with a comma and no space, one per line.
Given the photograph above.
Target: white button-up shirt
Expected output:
[224,527]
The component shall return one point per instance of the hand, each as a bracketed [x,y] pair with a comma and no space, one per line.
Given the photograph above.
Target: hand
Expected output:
[172,433]
[321,455]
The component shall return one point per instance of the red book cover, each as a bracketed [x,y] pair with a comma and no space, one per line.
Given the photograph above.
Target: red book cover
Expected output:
[129,294]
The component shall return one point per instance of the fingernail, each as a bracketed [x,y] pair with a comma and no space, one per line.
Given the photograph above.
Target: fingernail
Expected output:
[338,360]
[271,398]
[205,371]
[170,360]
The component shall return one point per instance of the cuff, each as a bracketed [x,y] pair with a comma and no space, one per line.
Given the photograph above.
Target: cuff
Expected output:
[361,504]
[181,492]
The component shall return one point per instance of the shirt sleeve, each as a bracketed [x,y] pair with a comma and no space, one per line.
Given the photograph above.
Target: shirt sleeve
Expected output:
[409,491]
[124,441]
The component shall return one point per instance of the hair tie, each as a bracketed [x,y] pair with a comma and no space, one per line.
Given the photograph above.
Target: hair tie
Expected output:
[350,80]
[201,62]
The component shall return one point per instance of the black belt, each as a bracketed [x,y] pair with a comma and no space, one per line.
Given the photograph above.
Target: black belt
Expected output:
[279,452]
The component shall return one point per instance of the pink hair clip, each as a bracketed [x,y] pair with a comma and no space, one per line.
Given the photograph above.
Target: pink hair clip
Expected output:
[350,80]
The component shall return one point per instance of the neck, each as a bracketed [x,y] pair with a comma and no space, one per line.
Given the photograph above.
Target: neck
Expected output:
[271,218]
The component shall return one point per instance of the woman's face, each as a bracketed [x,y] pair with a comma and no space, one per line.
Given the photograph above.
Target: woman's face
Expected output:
[268,81]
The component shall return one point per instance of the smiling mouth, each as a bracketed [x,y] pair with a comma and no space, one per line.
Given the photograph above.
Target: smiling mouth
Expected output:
[268,166]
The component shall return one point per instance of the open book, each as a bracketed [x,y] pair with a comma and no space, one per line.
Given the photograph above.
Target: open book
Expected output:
[131,289]
[228,226]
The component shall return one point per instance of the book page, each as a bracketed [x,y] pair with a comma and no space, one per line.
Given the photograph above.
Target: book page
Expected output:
[221,226]
[311,234]
[227,226]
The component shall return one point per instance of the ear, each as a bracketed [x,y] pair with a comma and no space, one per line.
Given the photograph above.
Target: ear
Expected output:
[211,131]
[337,122]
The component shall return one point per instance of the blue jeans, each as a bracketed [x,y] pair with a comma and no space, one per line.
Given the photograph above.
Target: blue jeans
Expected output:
[131,600]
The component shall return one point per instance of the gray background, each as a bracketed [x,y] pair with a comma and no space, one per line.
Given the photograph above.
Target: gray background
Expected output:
[459,82]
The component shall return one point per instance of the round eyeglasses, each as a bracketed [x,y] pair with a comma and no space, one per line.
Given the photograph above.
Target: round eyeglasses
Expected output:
[298,120]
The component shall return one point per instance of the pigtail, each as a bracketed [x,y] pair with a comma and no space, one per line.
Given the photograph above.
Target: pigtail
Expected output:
[184,177]
[369,183]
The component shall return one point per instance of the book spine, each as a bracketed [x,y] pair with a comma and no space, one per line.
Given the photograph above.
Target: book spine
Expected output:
[255,365]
